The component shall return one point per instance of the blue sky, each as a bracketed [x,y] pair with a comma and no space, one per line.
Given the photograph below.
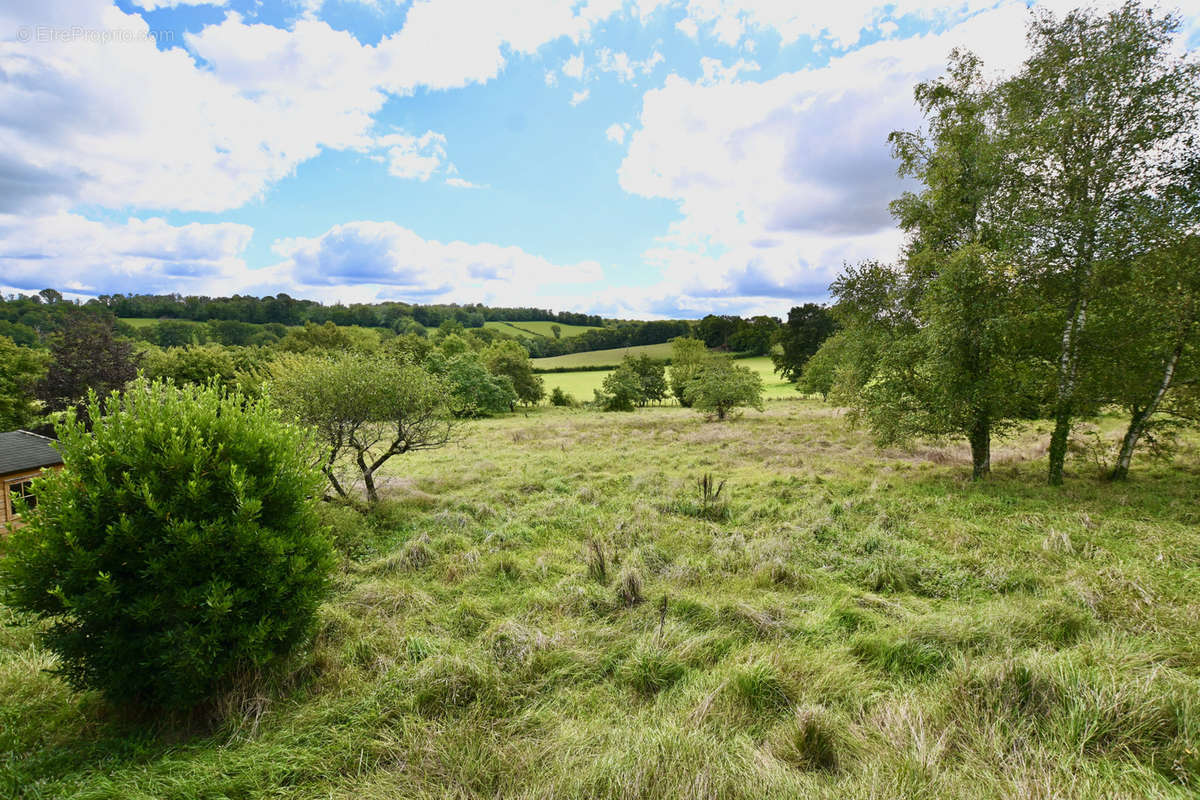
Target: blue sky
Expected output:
[624,157]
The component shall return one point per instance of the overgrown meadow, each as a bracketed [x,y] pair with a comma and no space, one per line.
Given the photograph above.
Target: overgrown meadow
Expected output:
[560,605]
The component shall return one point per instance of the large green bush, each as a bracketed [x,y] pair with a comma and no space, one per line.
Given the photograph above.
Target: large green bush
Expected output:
[178,548]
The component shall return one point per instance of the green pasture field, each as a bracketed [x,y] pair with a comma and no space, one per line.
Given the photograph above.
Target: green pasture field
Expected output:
[581,385]
[145,322]
[539,328]
[602,358]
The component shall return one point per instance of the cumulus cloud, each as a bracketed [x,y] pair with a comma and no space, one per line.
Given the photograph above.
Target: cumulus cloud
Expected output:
[384,258]
[580,96]
[780,181]
[209,123]
[85,256]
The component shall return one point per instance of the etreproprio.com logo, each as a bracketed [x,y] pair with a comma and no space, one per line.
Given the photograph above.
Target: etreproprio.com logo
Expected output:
[79,33]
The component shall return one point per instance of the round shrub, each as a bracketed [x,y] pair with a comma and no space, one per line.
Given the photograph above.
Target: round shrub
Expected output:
[178,547]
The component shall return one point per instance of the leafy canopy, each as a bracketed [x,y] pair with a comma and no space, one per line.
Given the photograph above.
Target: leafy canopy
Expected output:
[364,409]
[721,386]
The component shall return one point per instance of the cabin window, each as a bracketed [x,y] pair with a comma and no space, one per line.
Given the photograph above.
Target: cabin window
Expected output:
[18,491]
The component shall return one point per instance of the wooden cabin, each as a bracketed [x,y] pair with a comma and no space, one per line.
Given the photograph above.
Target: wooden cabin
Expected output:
[23,456]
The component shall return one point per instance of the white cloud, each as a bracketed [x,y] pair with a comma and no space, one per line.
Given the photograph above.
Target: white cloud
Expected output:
[573,67]
[152,5]
[460,183]
[625,68]
[843,23]
[778,182]
[77,254]
[616,132]
[580,96]
[123,124]
[384,258]
[714,71]
[414,156]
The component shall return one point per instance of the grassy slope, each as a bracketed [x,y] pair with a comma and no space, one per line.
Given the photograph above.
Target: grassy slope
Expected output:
[857,624]
[539,328]
[599,358]
[582,384]
[143,322]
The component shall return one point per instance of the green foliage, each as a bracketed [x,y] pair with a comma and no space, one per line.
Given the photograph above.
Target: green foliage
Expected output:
[328,337]
[230,367]
[175,333]
[364,409]
[475,392]
[20,370]
[721,386]
[621,390]
[560,398]
[806,329]
[687,357]
[453,344]
[508,358]
[946,324]
[1100,130]
[755,336]
[838,363]
[178,549]
[651,375]
[638,381]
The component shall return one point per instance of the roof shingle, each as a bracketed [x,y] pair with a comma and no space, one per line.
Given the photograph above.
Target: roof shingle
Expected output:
[21,451]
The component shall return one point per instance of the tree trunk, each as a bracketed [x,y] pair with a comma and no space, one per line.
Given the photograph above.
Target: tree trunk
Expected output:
[1068,368]
[333,481]
[1139,419]
[368,476]
[1058,444]
[981,448]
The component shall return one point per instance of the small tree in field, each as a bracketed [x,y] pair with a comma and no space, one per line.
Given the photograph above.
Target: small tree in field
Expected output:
[651,376]
[722,386]
[687,357]
[364,408]
[177,548]
[621,390]
[560,398]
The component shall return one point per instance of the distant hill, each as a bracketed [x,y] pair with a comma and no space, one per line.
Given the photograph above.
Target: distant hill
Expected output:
[595,359]
[539,328]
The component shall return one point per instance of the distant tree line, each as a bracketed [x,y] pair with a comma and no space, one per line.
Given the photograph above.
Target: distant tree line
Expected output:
[285,310]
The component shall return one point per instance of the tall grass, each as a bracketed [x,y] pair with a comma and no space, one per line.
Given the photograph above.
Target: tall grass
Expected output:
[552,620]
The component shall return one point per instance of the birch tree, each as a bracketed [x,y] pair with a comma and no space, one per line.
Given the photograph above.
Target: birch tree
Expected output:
[1095,121]
[944,319]
[1154,334]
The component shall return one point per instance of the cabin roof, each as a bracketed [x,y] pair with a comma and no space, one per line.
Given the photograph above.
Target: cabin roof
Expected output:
[21,451]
